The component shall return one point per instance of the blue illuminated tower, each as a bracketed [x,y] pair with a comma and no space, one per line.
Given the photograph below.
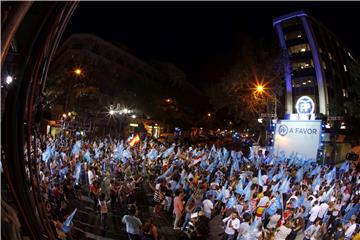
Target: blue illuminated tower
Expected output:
[316,64]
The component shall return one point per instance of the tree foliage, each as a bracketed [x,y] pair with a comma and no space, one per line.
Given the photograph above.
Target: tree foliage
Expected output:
[236,90]
[352,104]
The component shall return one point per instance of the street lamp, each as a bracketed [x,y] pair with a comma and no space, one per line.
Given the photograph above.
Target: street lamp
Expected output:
[9,79]
[209,114]
[111,112]
[259,88]
[78,71]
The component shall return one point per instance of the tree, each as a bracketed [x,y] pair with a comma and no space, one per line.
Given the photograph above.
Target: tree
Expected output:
[352,103]
[236,90]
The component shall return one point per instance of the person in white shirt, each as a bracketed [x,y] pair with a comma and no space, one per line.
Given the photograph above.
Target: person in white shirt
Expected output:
[208,206]
[274,219]
[312,232]
[226,195]
[91,176]
[351,228]
[314,212]
[232,224]
[283,231]
[244,226]
[323,210]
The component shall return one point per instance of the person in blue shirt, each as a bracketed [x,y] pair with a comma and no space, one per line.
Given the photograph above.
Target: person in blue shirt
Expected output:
[133,224]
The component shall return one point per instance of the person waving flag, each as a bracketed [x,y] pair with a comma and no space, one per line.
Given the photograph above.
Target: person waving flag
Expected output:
[134,140]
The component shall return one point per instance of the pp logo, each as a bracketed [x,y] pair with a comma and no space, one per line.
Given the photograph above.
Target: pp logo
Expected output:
[305,105]
[283,130]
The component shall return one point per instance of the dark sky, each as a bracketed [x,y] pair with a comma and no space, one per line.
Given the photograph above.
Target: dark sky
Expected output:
[202,37]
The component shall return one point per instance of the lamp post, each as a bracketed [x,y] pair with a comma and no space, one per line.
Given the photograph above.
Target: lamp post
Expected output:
[260,90]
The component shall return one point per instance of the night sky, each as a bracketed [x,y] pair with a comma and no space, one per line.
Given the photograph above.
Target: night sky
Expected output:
[201,38]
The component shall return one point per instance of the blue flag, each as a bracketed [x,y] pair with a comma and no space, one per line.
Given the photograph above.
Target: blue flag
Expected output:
[316,171]
[327,196]
[47,154]
[275,188]
[285,186]
[260,180]
[300,201]
[278,202]
[330,176]
[76,148]
[231,202]
[239,188]
[299,175]
[67,224]
[87,156]
[344,167]
[167,173]
[168,151]
[247,191]
[77,173]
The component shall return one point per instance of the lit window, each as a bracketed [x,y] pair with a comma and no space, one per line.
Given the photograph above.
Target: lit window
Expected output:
[320,50]
[344,92]
[293,35]
[330,57]
[299,48]
[309,81]
[304,83]
[345,69]
[324,65]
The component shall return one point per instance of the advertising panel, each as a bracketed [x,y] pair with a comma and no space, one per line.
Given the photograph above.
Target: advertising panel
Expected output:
[301,137]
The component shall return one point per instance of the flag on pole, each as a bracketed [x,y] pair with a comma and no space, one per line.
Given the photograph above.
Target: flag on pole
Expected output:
[247,191]
[239,188]
[67,224]
[76,148]
[274,188]
[330,176]
[198,159]
[299,175]
[285,186]
[328,194]
[260,180]
[77,172]
[134,140]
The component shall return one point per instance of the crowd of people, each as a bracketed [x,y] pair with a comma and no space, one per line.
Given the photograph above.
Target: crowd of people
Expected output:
[259,196]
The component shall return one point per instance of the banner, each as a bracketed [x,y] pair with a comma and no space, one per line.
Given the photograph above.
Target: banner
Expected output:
[297,137]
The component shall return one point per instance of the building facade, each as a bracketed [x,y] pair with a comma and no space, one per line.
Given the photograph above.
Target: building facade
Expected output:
[121,78]
[316,66]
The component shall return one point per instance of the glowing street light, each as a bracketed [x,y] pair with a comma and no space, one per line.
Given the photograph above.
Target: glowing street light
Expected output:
[9,79]
[133,116]
[64,115]
[78,71]
[111,112]
[259,88]
[209,114]
[168,100]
